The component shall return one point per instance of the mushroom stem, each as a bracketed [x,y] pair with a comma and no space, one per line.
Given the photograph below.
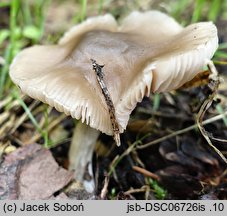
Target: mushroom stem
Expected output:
[80,154]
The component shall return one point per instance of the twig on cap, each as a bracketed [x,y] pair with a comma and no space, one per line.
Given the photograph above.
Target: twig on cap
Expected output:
[99,75]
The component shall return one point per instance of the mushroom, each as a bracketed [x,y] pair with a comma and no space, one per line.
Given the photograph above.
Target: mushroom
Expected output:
[147,52]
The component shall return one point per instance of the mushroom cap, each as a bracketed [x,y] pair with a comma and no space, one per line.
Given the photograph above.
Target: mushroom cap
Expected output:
[147,52]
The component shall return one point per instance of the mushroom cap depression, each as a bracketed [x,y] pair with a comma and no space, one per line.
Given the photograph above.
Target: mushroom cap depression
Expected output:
[147,52]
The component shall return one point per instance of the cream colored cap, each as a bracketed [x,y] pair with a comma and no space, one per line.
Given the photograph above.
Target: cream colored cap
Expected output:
[147,51]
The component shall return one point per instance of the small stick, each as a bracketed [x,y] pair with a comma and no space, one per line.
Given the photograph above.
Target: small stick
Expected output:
[99,75]
[145,172]
[182,131]
[213,84]
[139,190]
[105,188]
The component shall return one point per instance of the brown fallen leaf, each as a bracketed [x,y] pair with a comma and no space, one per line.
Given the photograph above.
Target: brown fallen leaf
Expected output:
[31,172]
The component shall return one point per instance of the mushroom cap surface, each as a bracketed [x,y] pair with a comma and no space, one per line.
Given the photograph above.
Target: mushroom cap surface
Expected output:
[147,52]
